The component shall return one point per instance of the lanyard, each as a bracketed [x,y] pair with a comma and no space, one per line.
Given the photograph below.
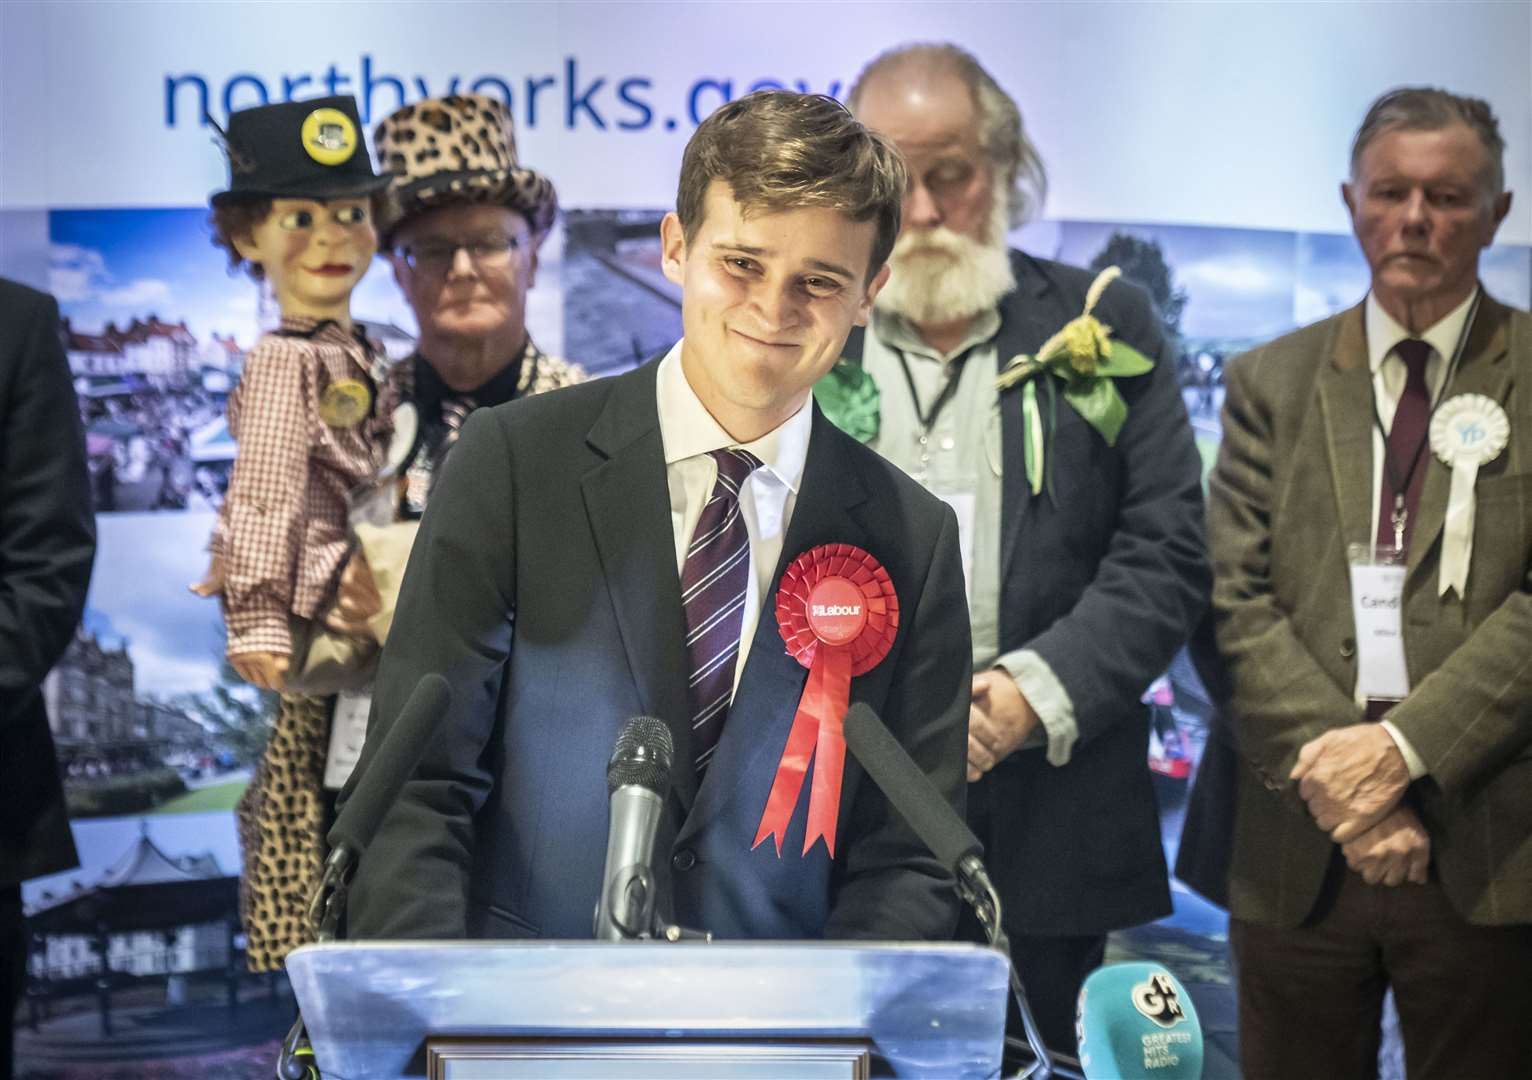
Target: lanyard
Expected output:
[928,417]
[1396,486]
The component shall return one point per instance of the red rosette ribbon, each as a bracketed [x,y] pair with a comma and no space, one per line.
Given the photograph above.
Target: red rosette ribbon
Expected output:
[838,614]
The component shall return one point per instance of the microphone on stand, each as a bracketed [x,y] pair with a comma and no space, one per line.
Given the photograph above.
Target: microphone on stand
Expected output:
[372,788]
[637,781]
[939,827]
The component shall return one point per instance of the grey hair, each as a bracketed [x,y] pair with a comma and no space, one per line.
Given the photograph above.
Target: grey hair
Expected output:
[1426,108]
[1001,131]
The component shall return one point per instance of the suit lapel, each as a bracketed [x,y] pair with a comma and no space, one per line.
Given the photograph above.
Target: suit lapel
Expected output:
[767,698]
[1028,315]
[1345,397]
[627,499]
[1482,370]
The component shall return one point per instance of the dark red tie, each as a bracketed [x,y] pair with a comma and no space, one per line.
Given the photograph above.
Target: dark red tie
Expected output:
[713,583]
[1405,465]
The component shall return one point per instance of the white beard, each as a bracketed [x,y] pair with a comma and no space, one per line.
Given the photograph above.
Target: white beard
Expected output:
[940,276]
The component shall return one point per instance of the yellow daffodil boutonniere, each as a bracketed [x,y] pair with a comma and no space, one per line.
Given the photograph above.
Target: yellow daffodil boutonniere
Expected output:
[1085,359]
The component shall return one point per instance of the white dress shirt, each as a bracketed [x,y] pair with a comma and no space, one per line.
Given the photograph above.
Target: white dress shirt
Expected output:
[1388,378]
[766,499]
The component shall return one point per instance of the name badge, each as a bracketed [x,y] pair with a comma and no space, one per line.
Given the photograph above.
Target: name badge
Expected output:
[1377,603]
[965,505]
[348,731]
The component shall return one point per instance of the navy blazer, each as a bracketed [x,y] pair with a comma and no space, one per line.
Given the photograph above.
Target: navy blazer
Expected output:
[543,586]
[1104,580]
[47,545]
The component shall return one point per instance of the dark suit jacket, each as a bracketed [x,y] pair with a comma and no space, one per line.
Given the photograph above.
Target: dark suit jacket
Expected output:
[1105,583]
[543,586]
[1207,830]
[1292,488]
[47,543]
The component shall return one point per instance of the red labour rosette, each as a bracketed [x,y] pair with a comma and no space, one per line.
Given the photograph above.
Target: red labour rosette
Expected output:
[838,613]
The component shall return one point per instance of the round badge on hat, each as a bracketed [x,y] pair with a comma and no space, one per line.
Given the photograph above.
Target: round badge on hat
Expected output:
[329,136]
[344,403]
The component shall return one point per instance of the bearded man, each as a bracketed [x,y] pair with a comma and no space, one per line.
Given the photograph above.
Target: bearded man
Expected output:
[1082,580]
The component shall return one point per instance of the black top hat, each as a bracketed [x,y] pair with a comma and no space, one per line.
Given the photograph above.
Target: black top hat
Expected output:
[298,150]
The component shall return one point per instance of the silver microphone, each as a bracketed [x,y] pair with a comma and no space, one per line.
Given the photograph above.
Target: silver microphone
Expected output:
[637,779]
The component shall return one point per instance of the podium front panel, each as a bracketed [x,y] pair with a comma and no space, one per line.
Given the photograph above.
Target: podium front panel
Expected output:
[925,1010]
[516,1058]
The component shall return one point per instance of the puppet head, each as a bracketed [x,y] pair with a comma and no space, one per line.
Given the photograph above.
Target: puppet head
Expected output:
[301,203]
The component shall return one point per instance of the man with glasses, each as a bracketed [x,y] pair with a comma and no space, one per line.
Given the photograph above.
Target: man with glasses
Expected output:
[464,252]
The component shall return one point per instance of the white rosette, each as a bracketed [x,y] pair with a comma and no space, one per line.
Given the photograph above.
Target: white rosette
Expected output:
[1467,431]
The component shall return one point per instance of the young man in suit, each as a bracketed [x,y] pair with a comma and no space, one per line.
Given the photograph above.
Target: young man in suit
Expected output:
[1081,586]
[47,545]
[547,587]
[1381,802]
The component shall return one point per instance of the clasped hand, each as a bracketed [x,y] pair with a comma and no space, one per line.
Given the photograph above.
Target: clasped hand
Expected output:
[1395,850]
[356,600]
[1351,778]
[999,720]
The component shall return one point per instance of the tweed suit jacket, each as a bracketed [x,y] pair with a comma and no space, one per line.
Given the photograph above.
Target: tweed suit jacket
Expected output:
[1292,488]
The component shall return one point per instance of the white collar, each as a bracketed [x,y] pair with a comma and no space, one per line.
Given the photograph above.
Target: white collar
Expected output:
[688,430]
[899,333]
[1384,332]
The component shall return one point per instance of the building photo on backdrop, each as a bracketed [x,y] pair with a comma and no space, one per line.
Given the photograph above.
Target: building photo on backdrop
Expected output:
[1200,149]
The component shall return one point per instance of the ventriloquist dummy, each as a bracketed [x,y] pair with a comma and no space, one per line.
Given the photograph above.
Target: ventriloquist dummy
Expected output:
[313,415]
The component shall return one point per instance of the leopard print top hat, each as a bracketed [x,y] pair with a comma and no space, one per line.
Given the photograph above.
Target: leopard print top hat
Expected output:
[459,149]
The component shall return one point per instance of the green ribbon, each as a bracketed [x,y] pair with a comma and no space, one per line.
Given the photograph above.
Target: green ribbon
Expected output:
[1095,397]
[848,397]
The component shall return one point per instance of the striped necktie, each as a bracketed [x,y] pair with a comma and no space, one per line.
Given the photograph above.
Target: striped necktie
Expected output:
[455,409]
[454,413]
[713,583]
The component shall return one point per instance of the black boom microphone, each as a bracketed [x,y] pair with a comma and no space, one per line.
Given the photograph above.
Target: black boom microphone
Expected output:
[939,827]
[376,783]
[637,779]
[387,762]
[911,792]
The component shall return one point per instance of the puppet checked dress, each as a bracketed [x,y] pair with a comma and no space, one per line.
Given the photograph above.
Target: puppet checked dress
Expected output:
[283,816]
[307,436]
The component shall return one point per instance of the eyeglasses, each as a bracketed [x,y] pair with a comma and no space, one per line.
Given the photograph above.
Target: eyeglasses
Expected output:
[435,257]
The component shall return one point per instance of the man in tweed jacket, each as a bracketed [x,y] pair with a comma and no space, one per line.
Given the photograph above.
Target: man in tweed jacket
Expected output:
[1383,843]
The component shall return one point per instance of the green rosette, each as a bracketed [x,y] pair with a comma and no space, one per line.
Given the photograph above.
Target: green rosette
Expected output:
[1094,396]
[848,396]
[1081,356]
